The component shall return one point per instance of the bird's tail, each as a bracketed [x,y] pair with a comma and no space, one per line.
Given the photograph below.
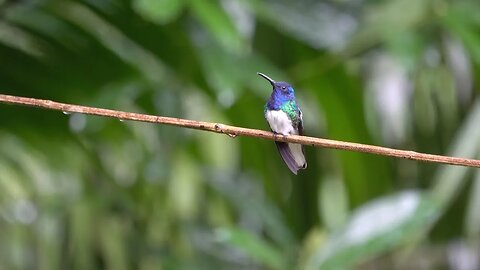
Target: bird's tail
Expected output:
[293,155]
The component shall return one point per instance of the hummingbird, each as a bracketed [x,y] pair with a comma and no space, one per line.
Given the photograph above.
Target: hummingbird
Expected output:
[285,117]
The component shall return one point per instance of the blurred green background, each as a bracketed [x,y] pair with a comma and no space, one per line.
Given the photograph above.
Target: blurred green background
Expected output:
[84,192]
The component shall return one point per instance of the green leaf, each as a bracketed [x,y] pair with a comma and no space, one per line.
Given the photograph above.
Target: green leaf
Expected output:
[217,22]
[252,246]
[333,202]
[384,21]
[19,39]
[472,219]
[435,100]
[450,179]
[345,120]
[463,21]
[112,243]
[374,228]
[159,11]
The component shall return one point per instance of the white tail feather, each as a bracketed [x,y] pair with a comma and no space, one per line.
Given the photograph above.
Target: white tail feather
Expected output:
[297,153]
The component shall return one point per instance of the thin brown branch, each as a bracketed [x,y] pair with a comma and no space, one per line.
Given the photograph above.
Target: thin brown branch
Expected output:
[233,131]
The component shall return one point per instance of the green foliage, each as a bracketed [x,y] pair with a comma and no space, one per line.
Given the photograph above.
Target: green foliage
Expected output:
[83,192]
[403,216]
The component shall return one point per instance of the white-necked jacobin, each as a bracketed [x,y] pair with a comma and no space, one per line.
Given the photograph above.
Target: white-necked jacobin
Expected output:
[285,117]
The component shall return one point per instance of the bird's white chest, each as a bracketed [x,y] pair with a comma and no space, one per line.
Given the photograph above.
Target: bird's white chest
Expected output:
[280,123]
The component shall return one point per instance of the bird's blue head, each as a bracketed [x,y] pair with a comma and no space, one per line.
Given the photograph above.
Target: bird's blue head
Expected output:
[279,88]
[282,92]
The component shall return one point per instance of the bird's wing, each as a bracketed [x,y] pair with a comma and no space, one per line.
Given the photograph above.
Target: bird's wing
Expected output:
[300,130]
[300,123]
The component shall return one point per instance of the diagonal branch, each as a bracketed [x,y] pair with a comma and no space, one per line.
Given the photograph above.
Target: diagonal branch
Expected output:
[233,131]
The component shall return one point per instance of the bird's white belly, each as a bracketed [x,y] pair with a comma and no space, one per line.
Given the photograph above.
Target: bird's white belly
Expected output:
[280,123]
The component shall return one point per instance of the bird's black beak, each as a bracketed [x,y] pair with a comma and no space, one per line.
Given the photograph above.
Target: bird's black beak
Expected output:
[266,78]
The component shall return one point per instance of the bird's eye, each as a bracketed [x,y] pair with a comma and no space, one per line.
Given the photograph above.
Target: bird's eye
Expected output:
[283,87]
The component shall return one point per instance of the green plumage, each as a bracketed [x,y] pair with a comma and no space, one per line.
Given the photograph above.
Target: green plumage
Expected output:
[291,109]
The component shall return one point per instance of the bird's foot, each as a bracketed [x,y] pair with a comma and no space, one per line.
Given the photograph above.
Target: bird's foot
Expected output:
[276,135]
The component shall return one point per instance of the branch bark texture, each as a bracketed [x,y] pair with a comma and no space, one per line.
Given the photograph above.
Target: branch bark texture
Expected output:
[234,131]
